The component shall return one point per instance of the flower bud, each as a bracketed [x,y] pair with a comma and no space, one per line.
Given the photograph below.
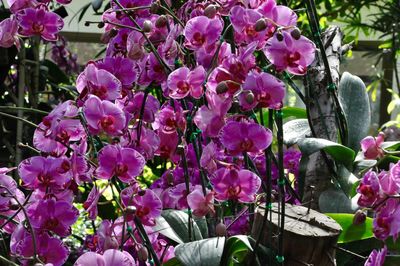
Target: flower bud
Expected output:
[279,36]
[359,217]
[222,87]
[154,8]
[210,11]
[130,210]
[170,179]
[249,97]
[142,253]
[161,21]
[87,23]
[296,33]
[260,25]
[147,26]
[101,25]
[220,229]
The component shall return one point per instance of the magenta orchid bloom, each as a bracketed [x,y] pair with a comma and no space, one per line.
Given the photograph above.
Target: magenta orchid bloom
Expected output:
[124,163]
[39,21]
[44,173]
[371,147]
[232,184]
[239,137]
[201,204]
[90,205]
[122,68]
[103,116]
[148,206]
[183,82]
[243,21]
[387,220]
[98,82]
[369,189]
[111,257]
[52,215]
[50,250]
[202,31]
[376,258]
[8,33]
[268,91]
[289,54]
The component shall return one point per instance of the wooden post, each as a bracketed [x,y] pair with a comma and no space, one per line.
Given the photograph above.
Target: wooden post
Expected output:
[310,236]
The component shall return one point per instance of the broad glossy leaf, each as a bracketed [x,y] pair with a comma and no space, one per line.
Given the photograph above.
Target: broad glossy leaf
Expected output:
[346,179]
[334,200]
[236,249]
[295,130]
[178,221]
[173,262]
[207,252]
[350,231]
[163,227]
[339,153]
[353,97]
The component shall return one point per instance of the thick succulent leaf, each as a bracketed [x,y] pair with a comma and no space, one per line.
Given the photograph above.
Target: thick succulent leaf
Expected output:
[352,232]
[207,252]
[354,100]
[346,179]
[163,227]
[295,130]
[178,221]
[339,153]
[335,201]
[236,249]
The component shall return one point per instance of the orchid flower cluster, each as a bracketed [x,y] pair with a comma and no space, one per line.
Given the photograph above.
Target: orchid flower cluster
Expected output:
[379,191]
[173,88]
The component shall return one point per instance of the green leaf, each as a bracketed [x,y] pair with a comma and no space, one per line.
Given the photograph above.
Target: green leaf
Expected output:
[235,251]
[178,221]
[288,112]
[173,262]
[55,74]
[202,224]
[339,153]
[295,130]
[346,180]
[163,227]
[352,232]
[207,252]
[333,200]
[353,97]
[385,162]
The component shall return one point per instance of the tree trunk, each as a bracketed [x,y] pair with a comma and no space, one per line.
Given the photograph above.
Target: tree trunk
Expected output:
[310,237]
[321,112]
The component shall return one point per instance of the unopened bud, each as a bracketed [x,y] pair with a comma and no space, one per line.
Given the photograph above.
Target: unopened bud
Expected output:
[180,150]
[359,217]
[210,11]
[142,253]
[161,21]
[87,23]
[154,8]
[260,25]
[279,36]
[296,33]
[220,229]
[250,97]
[170,179]
[147,26]
[101,25]
[222,87]
[130,210]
